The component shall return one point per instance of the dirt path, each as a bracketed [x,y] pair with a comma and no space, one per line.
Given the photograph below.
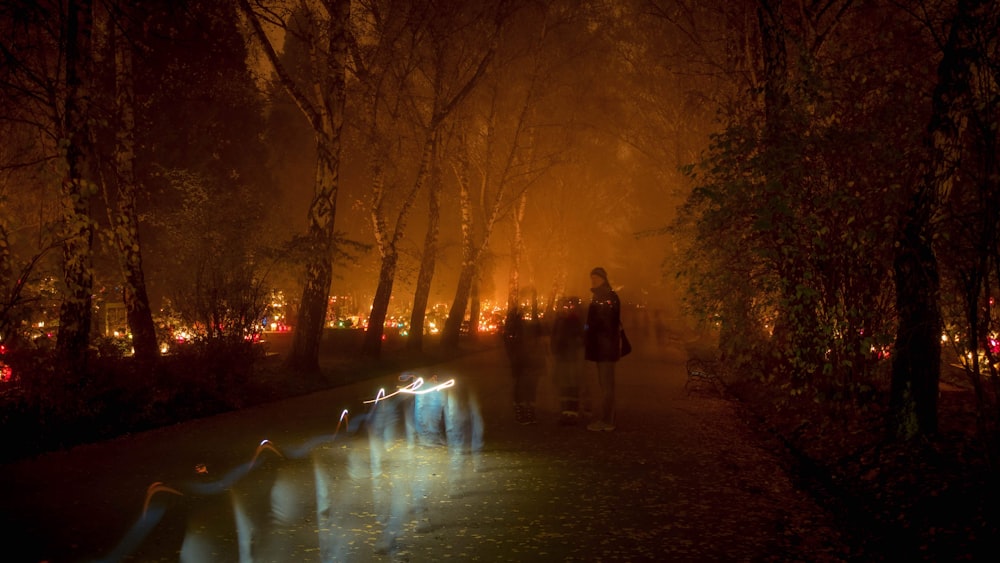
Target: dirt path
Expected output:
[680,479]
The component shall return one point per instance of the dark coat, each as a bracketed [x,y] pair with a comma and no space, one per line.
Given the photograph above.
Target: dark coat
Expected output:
[602,339]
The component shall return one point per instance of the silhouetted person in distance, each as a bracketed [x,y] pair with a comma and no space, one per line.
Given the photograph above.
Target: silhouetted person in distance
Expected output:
[566,345]
[602,344]
[521,339]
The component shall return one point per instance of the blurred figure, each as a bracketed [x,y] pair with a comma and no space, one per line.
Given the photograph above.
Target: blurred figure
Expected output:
[602,344]
[566,346]
[521,341]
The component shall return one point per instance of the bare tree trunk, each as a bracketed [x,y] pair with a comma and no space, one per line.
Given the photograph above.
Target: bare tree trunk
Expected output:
[459,306]
[516,247]
[428,260]
[126,230]
[772,30]
[304,355]
[456,313]
[473,249]
[442,108]
[388,245]
[474,308]
[917,355]
[916,366]
[372,346]
[75,313]
[323,107]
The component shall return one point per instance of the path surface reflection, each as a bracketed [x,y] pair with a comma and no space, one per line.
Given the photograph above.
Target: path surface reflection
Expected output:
[348,495]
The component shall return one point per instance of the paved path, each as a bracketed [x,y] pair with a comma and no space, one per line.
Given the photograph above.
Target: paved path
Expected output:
[681,479]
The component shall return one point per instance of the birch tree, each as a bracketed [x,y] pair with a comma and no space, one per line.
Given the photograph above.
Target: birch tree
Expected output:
[422,63]
[516,252]
[77,112]
[320,95]
[428,257]
[125,223]
[78,187]
[917,361]
[489,166]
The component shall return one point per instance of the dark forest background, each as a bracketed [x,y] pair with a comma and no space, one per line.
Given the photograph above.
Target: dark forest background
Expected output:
[206,204]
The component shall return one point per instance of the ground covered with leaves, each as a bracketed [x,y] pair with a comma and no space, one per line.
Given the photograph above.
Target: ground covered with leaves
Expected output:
[933,499]
[682,478]
[690,474]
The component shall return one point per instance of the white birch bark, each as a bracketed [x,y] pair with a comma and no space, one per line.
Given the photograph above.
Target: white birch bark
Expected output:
[322,102]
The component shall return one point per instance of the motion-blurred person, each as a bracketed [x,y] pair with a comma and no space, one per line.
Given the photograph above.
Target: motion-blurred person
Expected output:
[521,340]
[602,344]
[566,346]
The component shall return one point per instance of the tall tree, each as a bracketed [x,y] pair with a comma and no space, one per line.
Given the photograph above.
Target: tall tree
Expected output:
[970,254]
[125,223]
[786,225]
[428,257]
[427,68]
[516,252]
[78,186]
[320,95]
[490,166]
[479,216]
[71,103]
[916,366]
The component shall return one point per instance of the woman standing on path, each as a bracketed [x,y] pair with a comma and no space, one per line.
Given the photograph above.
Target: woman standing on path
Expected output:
[602,344]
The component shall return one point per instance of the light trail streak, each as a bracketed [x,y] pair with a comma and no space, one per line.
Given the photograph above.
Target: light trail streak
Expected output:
[152,490]
[343,417]
[414,388]
[265,444]
[153,512]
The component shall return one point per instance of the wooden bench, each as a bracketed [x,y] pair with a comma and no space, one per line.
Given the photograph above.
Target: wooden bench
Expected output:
[701,372]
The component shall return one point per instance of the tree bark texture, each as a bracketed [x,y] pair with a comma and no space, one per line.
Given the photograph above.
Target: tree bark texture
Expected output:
[772,35]
[916,366]
[389,247]
[372,346]
[473,247]
[77,188]
[516,249]
[442,108]
[428,261]
[126,224]
[456,314]
[6,266]
[916,360]
[323,106]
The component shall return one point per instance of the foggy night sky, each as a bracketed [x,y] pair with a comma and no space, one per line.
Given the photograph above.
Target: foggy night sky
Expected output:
[619,178]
